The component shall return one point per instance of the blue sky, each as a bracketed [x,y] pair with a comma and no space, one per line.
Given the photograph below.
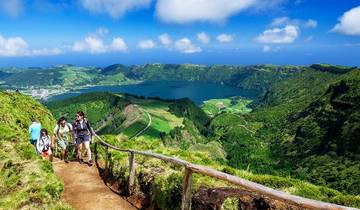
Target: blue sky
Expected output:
[103,32]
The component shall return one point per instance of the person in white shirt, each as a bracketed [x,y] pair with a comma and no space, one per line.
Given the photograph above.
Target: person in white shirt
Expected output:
[62,135]
[43,145]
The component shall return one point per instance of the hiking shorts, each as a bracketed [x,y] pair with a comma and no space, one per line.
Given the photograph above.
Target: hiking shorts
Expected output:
[81,139]
[33,142]
[46,153]
[62,143]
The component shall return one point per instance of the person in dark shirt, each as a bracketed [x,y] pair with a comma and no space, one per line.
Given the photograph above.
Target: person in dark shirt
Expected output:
[82,135]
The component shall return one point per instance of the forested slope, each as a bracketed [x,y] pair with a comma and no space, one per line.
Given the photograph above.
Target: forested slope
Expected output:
[306,126]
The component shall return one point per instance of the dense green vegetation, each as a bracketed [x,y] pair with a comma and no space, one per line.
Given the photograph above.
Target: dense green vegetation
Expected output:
[98,107]
[321,141]
[163,182]
[64,76]
[257,77]
[26,182]
[332,69]
[273,139]
[306,127]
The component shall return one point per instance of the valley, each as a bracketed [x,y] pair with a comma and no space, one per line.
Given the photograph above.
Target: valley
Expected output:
[299,134]
[221,81]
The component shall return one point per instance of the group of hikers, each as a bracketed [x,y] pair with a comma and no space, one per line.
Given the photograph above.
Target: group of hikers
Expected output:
[79,133]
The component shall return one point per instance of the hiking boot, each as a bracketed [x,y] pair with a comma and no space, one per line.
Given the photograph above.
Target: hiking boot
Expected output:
[90,163]
[81,161]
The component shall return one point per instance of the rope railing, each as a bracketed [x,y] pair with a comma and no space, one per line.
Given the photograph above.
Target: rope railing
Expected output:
[195,168]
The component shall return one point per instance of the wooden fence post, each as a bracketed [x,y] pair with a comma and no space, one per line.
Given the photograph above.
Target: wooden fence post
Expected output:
[106,158]
[96,154]
[186,194]
[131,172]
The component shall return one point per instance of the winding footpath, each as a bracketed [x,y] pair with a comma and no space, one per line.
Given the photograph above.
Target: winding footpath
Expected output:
[85,190]
[147,126]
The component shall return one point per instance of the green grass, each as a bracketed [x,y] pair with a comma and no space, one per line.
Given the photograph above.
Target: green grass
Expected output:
[160,110]
[236,105]
[26,182]
[160,125]
[167,179]
[133,129]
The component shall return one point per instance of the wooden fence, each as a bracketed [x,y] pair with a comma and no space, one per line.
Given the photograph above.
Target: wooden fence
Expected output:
[194,168]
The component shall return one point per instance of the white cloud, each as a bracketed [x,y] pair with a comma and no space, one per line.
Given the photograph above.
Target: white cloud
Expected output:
[115,8]
[279,35]
[266,48]
[165,39]
[17,46]
[311,23]
[180,11]
[203,38]
[94,43]
[186,11]
[223,38]
[79,46]
[284,21]
[118,44]
[13,46]
[12,8]
[185,45]
[281,21]
[146,44]
[349,23]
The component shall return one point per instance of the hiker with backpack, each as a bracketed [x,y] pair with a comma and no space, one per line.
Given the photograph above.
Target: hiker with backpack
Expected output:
[83,134]
[43,145]
[62,135]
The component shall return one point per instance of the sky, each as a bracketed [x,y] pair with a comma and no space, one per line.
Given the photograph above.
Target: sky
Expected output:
[104,32]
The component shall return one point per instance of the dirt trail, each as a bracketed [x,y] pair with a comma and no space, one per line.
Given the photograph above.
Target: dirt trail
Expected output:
[85,190]
[147,126]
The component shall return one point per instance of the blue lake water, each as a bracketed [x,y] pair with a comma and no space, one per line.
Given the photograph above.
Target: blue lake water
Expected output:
[196,91]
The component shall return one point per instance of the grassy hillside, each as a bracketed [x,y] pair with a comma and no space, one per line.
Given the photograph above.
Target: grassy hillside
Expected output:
[121,114]
[257,77]
[238,143]
[26,182]
[162,182]
[97,106]
[322,140]
[306,127]
[64,76]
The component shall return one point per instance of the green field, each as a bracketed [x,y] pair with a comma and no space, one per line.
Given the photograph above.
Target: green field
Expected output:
[228,105]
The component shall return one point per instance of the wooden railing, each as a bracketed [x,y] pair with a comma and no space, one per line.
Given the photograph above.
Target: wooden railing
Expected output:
[194,168]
